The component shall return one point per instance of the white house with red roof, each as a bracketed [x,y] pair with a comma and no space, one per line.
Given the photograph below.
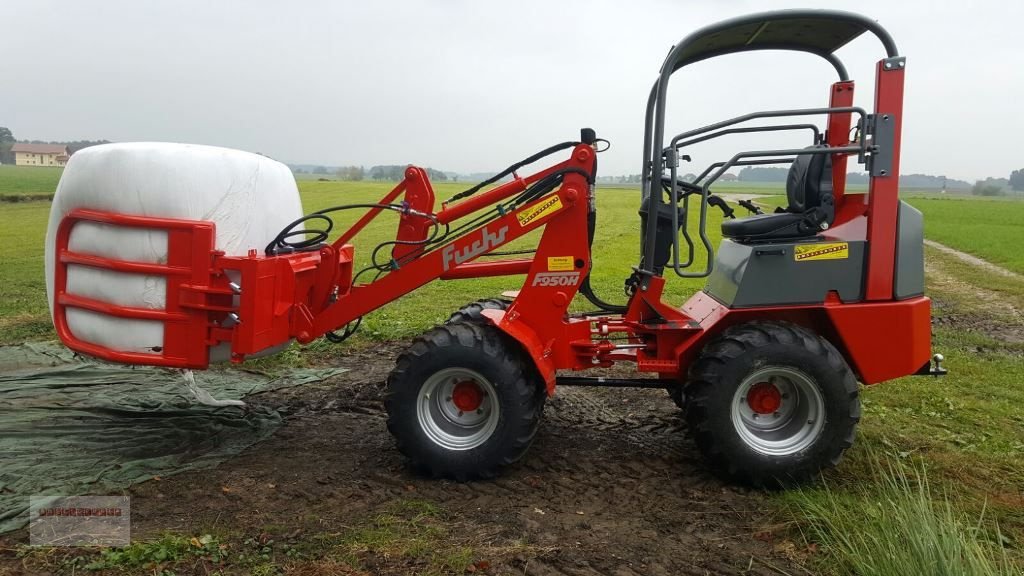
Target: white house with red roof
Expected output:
[39,154]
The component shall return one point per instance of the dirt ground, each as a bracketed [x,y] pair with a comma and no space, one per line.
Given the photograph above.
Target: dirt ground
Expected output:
[611,486]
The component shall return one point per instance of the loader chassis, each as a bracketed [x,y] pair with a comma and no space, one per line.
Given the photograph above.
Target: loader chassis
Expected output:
[798,307]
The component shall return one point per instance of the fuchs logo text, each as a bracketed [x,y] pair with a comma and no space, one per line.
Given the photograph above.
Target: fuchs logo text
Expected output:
[486,242]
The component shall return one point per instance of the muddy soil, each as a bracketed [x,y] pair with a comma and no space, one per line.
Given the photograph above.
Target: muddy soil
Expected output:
[611,486]
[989,312]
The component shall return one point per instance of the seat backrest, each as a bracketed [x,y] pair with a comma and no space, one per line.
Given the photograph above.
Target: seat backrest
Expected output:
[809,180]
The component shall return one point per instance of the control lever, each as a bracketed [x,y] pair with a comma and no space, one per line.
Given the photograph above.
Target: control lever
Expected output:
[716,201]
[686,187]
[750,206]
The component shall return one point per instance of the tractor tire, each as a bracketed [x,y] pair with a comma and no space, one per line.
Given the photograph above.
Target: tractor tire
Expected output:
[472,312]
[464,401]
[771,404]
[678,396]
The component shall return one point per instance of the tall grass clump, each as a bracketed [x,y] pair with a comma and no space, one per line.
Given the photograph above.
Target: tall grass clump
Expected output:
[897,525]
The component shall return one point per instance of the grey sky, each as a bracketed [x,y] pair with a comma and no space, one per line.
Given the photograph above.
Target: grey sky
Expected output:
[473,86]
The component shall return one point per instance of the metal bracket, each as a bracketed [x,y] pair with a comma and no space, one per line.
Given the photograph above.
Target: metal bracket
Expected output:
[882,128]
[893,64]
[643,278]
[616,382]
[671,160]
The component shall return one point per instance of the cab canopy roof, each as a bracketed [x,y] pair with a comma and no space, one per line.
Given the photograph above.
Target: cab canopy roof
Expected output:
[820,32]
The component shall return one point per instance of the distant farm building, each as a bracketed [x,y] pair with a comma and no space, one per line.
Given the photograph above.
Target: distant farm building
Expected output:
[39,154]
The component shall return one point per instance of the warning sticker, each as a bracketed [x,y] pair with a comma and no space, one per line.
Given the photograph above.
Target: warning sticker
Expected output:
[561,263]
[831,251]
[532,213]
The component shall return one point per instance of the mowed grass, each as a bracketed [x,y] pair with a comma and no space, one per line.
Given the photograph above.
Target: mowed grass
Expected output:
[24,314]
[28,180]
[963,434]
[992,229]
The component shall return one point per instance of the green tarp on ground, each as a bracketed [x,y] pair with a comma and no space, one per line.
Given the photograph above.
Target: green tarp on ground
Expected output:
[76,426]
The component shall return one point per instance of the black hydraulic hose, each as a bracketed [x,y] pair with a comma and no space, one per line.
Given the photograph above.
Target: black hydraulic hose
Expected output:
[546,152]
[585,288]
[348,331]
[588,292]
[547,184]
[281,245]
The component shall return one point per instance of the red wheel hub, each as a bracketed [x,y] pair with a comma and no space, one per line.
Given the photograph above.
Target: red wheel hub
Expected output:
[764,398]
[467,396]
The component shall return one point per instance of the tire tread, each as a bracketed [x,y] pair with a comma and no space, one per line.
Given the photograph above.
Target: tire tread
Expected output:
[707,372]
[507,356]
[473,312]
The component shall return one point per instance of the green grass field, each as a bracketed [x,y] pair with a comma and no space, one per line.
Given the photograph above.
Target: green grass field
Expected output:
[28,181]
[964,433]
[990,229]
[23,310]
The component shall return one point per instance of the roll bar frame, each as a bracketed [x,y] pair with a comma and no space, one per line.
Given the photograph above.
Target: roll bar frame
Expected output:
[654,125]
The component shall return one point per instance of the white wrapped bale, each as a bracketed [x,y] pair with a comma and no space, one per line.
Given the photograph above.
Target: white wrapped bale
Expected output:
[249,197]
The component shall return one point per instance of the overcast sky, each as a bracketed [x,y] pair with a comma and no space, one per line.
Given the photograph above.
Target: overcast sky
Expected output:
[472,86]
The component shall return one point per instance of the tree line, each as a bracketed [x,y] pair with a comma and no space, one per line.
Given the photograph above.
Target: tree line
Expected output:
[395,172]
[389,172]
[987,187]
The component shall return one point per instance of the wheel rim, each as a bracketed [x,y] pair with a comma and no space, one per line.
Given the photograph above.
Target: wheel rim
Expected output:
[778,411]
[458,409]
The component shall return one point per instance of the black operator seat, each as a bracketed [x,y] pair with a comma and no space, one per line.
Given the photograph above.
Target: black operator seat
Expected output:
[811,204]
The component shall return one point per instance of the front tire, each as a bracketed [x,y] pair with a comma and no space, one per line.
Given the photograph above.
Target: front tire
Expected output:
[473,312]
[771,403]
[677,396]
[464,401]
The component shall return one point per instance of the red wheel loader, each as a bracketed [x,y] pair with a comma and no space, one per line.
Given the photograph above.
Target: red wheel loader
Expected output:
[799,306]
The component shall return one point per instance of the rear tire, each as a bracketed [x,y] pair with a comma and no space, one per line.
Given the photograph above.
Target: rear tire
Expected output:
[771,403]
[473,312]
[464,401]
